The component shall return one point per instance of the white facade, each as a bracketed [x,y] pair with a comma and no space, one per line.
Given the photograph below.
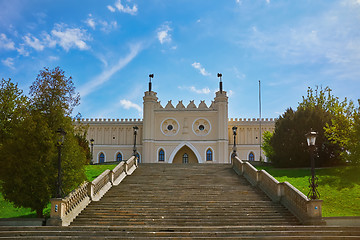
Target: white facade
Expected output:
[178,134]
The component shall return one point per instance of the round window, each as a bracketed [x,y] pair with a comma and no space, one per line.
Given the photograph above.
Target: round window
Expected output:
[169,127]
[201,127]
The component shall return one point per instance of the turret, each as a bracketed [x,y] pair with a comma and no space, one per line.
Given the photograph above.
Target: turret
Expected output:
[221,105]
[149,104]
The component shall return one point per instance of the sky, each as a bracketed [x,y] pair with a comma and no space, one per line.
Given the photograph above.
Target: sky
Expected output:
[110,47]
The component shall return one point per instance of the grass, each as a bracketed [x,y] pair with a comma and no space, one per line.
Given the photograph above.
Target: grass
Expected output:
[8,210]
[339,187]
[92,171]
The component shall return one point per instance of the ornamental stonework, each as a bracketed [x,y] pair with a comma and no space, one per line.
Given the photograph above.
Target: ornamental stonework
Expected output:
[201,127]
[170,127]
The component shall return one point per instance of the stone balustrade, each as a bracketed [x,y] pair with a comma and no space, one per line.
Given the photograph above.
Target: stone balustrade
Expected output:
[131,165]
[306,210]
[75,198]
[119,173]
[64,210]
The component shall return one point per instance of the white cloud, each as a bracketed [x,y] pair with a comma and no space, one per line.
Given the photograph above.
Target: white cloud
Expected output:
[91,22]
[108,73]
[239,74]
[104,25]
[48,40]
[6,43]
[127,104]
[331,39]
[268,1]
[205,90]
[123,8]
[111,9]
[34,42]
[9,62]
[61,35]
[21,50]
[69,38]
[53,58]
[163,33]
[202,70]
[108,26]
[200,91]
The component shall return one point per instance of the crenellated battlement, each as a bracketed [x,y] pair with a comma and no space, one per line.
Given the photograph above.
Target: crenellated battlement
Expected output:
[240,120]
[180,106]
[139,120]
[110,120]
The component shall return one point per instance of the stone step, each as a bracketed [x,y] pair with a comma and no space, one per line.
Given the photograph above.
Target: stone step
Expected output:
[273,232]
[183,212]
[165,194]
[172,228]
[218,218]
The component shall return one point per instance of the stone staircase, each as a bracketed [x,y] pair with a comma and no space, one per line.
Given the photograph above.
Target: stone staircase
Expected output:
[175,201]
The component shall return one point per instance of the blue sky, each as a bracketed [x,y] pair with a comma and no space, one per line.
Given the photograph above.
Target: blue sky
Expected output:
[110,47]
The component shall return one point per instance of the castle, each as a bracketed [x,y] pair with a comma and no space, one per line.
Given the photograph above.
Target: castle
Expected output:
[178,134]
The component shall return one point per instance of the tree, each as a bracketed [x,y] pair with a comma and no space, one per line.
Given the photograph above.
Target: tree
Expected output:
[53,94]
[266,145]
[80,134]
[354,147]
[344,130]
[288,141]
[29,173]
[28,169]
[12,105]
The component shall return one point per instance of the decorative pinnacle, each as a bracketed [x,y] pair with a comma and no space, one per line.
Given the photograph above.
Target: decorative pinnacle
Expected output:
[219,76]
[150,77]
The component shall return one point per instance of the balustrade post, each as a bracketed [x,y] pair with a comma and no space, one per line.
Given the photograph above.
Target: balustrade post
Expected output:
[111,177]
[57,212]
[126,166]
[314,209]
[136,161]
[90,190]
[280,190]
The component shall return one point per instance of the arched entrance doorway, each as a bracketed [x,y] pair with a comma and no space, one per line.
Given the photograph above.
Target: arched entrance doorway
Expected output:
[185,155]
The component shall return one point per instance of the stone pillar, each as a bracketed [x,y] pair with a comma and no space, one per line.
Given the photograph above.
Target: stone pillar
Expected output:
[57,212]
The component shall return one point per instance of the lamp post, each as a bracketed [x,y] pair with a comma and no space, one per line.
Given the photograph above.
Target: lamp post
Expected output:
[92,151]
[135,133]
[61,132]
[313,193]
[234,128]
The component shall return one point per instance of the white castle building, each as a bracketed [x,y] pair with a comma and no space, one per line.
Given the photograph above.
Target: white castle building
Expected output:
[178,134]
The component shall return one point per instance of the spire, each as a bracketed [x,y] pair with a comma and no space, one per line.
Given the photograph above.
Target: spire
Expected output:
[150,77]
[219,76]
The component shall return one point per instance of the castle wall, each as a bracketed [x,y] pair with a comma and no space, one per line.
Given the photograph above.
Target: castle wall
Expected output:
[172,128]
[248,136]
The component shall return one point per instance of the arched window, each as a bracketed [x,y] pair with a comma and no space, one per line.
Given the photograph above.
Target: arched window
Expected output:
[251,156]
[161,155]
[209,155]
[101,158]
[185,158]
[138,156]
[119,157]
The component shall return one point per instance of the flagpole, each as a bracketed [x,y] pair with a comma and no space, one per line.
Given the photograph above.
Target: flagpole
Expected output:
[260,117]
